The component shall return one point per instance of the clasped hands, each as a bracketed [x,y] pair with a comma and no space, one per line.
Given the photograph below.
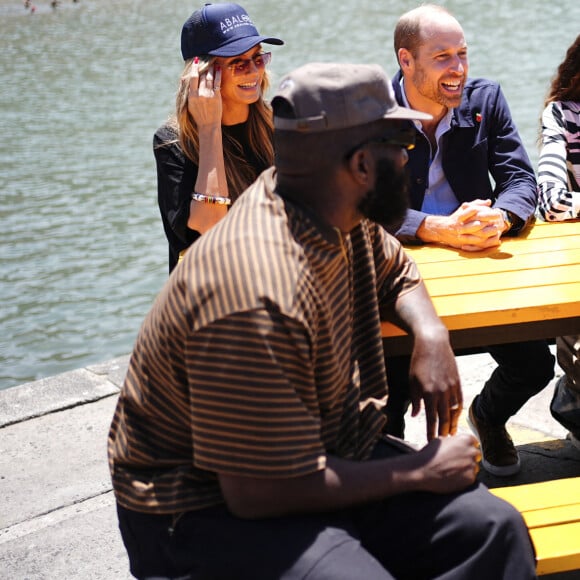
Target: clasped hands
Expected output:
[473,227]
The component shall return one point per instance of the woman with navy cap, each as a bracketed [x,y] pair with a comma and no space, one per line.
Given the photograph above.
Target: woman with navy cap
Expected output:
[220,138]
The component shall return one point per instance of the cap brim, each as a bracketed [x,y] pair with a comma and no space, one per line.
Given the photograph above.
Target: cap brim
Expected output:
[405,113]
[241,45]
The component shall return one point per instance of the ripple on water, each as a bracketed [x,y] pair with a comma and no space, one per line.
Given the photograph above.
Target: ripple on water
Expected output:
[84,87]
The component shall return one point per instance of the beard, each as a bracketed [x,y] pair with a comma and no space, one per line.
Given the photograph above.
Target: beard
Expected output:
[387,202]
[429,89]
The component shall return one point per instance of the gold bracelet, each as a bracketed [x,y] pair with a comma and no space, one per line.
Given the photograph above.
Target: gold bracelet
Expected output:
[213,199]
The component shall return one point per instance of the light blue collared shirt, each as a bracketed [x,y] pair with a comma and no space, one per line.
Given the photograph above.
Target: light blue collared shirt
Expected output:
[439,197]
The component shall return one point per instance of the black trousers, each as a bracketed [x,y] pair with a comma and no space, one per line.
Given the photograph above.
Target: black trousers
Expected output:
[523,370]
[470,535]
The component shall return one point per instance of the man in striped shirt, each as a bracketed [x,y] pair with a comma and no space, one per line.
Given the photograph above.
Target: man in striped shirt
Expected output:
[248,437]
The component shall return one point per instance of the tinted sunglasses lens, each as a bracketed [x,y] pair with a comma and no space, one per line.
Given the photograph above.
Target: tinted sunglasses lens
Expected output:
[266,58]
[260,61]
[411,139]
[241,67]
[405,138]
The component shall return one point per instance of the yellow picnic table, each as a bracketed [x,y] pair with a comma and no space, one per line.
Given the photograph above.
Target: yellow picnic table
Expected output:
[527,288]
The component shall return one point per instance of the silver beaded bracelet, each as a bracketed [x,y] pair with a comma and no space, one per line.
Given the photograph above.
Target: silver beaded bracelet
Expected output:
[213,199]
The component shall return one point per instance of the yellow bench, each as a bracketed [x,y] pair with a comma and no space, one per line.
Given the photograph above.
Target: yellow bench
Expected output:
[551,510]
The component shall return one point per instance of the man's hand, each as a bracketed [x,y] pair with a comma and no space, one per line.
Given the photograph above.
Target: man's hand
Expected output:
[472,227]
[433,378]
[442,466]
[450,464]
[433,375]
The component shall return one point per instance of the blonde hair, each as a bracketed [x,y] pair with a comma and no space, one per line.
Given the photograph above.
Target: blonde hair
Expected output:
[239,173]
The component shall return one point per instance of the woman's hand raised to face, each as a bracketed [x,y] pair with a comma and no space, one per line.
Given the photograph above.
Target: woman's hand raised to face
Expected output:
[204,100]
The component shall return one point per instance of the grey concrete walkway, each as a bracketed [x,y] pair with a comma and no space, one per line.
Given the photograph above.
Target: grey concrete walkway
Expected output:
[57,515]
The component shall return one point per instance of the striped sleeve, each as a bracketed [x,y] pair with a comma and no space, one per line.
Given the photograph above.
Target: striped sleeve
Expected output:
[397,273]
[254,407]
[559,162]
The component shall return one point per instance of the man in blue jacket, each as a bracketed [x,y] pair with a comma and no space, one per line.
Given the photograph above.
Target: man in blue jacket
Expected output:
[454,203]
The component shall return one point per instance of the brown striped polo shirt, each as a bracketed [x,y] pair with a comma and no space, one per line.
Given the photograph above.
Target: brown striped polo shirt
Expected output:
[261,355]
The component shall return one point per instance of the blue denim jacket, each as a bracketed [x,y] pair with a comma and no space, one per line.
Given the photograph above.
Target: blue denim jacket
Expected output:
[483,141]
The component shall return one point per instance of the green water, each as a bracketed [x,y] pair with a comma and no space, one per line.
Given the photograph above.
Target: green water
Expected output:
[83,88]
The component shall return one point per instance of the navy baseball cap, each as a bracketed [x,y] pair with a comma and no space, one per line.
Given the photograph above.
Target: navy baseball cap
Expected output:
[220,30]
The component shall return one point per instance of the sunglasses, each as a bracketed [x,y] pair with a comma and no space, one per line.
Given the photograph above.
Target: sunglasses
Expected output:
[404,138]
[395,142]
[241,66]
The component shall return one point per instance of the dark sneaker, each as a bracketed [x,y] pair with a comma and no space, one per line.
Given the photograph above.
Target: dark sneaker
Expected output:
[498,454]
[574,439]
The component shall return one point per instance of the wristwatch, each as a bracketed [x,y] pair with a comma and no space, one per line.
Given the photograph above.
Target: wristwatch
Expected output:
[507,218]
